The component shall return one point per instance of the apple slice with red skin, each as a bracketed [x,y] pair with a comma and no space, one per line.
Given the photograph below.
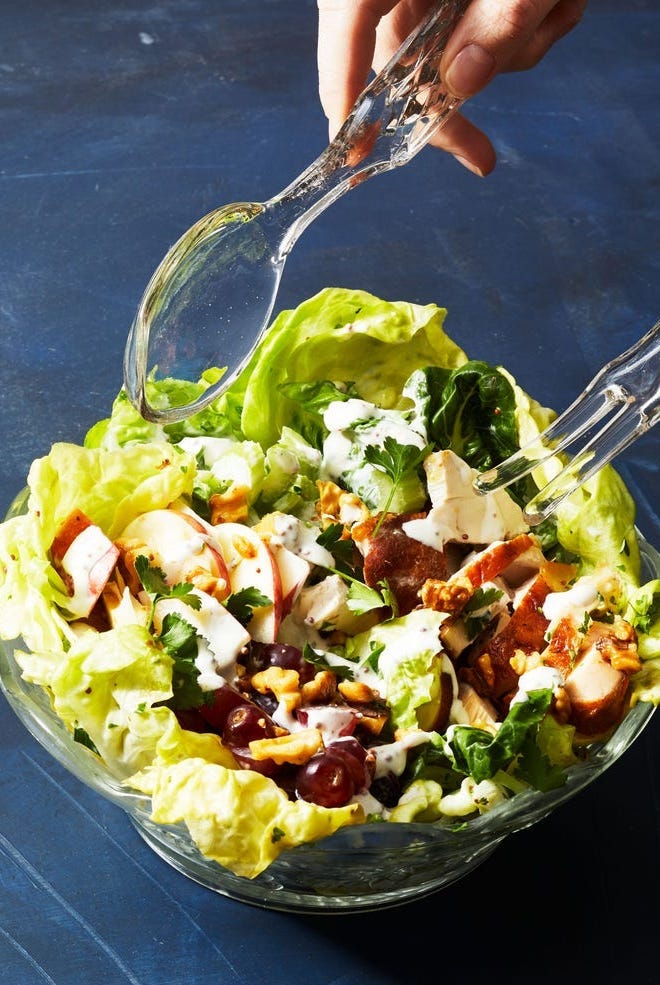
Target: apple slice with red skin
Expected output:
[294,572]
[251,564]
[178,544]
[84,558]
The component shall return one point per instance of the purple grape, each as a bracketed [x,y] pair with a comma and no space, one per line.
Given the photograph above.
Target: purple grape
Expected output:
[245,723]
[386,789]
[263,655]
[325,780]
[354,756]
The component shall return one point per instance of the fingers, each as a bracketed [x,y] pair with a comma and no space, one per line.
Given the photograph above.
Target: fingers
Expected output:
[469,145]
[495,36]
[346,43]
[353,37]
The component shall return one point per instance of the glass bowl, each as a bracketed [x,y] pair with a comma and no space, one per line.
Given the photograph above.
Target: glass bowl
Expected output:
[359,868]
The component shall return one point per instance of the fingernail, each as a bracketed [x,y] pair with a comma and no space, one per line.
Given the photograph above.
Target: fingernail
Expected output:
[469,165]
[470,70]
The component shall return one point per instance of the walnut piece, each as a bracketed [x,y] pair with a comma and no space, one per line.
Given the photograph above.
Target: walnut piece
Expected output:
[296,747]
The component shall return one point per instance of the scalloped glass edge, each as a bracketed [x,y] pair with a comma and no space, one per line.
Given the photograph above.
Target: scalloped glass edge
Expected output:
[359,868]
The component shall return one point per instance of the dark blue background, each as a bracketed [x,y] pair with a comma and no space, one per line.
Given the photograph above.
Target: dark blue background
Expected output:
[120,124]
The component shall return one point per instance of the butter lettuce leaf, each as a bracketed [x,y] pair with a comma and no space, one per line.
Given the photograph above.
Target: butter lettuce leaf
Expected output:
[597,523]
[111,488]
[347,336]
[238,818]
[409,664]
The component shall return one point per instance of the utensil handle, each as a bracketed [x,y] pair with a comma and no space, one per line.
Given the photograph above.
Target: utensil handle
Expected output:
[393,118]
[412,99]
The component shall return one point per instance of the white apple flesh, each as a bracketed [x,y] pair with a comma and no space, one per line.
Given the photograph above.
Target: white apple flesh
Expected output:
[178,544]
[87,564]
[251,564]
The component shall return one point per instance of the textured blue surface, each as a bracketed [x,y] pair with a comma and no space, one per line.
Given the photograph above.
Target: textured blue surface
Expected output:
[121,124]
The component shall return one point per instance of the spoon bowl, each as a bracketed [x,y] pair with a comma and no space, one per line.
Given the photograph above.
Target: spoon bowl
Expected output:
[210,299]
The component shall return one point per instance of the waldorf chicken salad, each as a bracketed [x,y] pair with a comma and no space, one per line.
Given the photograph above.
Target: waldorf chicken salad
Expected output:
[293,612]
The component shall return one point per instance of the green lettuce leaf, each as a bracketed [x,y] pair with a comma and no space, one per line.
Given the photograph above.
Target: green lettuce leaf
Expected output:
[238,818]
[597,523]
[408,664]
[353,336]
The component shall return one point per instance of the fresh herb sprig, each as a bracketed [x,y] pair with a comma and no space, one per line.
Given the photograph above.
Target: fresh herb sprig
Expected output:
[396,461]
[241,604]
[155,585]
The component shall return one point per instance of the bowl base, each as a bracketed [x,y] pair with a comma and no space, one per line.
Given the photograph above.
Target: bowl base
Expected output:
[268,892]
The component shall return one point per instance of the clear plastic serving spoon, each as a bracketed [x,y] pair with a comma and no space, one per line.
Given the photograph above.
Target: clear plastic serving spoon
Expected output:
[210,300]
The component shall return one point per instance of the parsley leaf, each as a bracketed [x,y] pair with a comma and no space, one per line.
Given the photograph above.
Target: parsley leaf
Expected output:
[318,660]
[156,587]
[474,619]
[375,651]
[395,461]
[82,737]
[363,599]
[242,603]
[340,547]
[179,640]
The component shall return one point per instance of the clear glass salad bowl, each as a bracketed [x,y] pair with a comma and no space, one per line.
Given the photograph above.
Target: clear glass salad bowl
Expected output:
[359,868]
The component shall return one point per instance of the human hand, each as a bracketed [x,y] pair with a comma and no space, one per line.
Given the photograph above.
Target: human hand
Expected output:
[493,36]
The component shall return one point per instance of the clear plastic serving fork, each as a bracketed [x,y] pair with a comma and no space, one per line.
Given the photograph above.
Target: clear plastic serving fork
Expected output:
[624,394]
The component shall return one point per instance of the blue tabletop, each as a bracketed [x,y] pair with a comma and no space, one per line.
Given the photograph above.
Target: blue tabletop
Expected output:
[122,123]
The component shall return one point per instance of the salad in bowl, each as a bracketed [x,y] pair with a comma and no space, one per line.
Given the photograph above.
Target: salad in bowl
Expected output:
[290,626]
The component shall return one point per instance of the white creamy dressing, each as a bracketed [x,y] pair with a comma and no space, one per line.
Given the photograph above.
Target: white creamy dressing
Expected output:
[221,638]
[332,721]
[419,637]
[573,603]
[300,538]
[285,718]
[459,513]
[182,548]
[537,679]
[392,758]
[369,803]
[343,449]
[284,460]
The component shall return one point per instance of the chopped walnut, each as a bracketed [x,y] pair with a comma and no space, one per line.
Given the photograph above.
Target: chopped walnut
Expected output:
[278,680]
[321,689]
[485,665]
[616,643]
[340,506]
[204,581]
[230,506]
[358,692]
[372,719]
[296,747]
[561,705]
[522,662]
[446,596]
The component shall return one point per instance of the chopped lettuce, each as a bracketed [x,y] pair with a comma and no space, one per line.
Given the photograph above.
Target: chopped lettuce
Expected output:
[409,665]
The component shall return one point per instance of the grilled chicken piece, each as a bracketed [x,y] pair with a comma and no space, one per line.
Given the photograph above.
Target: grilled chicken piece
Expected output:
[599,682]
[597,693]
[403,562]
[489,667]
[514,560]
